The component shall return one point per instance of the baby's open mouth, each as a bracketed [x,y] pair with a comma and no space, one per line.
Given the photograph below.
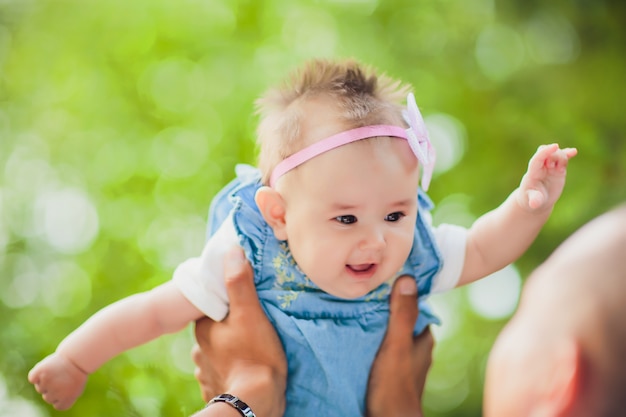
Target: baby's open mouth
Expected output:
[361,268]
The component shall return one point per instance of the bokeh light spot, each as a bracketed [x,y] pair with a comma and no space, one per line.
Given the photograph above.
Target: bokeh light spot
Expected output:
[115,162]
[15,406]
[310,32]
[495,296]
[499,51]
[5,122]
[27,169]
[132,33]
[448,385]
[146,394]
[447,307]
[5,47]
[176,85]
[178,152]
[551,39]
[123,217]
[454,209]
[65,288]
[67,219]
[4,233]
[219,79]
[179,352]
[22,284]
[156,243]
[449,139]
[363,7]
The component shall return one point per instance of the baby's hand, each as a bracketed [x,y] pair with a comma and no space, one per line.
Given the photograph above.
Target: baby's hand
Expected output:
[58,380]
[543,183]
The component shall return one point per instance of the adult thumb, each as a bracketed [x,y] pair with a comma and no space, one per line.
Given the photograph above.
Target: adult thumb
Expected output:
[239,280]
[402,310]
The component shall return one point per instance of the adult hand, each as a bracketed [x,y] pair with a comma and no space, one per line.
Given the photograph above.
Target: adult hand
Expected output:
[398,375]
[241,355]
[254,368]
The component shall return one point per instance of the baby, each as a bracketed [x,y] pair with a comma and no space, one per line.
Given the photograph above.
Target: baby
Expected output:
[332,216]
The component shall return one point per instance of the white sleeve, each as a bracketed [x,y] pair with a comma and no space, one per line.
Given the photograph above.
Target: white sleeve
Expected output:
[201,279]
[451,240]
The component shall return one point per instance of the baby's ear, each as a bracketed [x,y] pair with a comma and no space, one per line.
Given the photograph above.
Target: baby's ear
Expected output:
[272,206]
[564,384]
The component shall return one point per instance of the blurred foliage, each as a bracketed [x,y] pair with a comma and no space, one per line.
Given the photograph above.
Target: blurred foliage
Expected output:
[119,120]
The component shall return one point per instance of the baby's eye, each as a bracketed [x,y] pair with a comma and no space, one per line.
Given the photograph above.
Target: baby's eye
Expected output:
[394,217]
[347,219]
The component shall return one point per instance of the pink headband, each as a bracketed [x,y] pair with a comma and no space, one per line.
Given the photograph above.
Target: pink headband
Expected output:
[416,135]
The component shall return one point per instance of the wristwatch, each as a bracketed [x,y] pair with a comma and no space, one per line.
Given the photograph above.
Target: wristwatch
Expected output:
[239,405]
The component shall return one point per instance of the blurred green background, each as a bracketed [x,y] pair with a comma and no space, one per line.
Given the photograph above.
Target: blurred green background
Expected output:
[119,120]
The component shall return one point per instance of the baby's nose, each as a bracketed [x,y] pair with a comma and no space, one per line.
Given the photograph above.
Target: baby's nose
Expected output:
[373,241]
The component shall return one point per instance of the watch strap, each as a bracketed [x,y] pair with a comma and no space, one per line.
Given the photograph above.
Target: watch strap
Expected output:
[243,408]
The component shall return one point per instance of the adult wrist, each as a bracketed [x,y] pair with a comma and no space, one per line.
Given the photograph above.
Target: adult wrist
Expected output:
[235,402]
[262,390]
[218,410]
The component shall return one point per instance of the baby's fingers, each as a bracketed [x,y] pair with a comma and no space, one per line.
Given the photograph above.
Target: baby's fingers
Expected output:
[559,159]
[551,157]
[535,199]
[570,152]
[541,156]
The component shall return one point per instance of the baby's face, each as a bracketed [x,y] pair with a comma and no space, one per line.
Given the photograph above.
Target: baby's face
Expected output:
[350,215]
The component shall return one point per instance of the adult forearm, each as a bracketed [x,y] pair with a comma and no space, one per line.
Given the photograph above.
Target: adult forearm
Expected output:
[258,387]
[218,410]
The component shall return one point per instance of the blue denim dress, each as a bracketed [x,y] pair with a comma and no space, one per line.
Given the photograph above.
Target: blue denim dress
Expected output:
[330,343]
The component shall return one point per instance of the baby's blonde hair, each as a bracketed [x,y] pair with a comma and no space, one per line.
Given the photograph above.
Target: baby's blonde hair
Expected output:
[362,98]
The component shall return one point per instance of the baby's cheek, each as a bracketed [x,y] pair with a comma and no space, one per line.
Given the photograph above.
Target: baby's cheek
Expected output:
[407,241]
[402,250]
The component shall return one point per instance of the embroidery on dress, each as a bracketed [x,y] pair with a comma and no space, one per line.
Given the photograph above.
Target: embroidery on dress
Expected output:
[382,292]
[287,299]
[284,264]
[287,275]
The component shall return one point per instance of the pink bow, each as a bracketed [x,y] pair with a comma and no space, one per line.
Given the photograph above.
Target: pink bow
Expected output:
[417,136]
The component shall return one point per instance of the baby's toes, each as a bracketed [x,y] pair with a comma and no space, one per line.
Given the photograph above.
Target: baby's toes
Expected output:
[62,404]
[40,388]
[49,397]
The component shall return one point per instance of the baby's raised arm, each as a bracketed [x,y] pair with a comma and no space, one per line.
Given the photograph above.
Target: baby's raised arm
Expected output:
[61,377]
[502,235]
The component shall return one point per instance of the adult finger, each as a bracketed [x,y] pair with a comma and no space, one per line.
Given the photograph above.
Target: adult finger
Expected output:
[394,386]
[402,311]
[197,355]
[423,346]
[239,280]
